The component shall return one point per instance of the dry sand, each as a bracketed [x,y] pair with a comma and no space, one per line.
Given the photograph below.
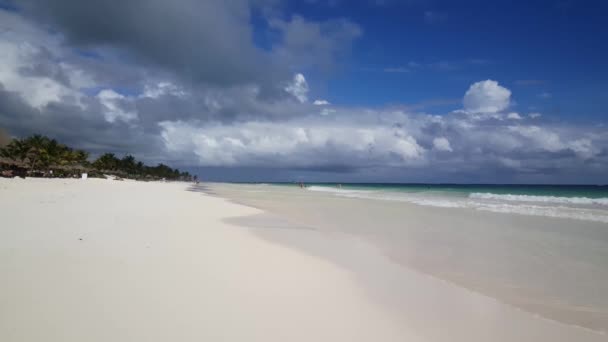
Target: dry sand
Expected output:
[102,260]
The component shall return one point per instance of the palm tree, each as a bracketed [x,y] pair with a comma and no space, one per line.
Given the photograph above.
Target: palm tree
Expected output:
[127,164]
[106,162]
[16,150]
[41,154]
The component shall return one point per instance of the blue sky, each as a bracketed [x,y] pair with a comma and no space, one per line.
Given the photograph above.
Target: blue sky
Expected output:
[336,90]
[436,48]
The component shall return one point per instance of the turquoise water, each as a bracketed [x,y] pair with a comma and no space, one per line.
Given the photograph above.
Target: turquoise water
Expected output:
[540,248]
[581,202]
[583,191]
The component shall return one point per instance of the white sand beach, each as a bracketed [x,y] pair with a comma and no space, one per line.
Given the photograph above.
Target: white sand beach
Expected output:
[103,260]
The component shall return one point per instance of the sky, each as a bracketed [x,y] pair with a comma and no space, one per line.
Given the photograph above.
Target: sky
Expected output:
[317,90]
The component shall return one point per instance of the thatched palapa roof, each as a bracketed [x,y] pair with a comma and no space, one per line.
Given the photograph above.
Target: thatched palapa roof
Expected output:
[11,162]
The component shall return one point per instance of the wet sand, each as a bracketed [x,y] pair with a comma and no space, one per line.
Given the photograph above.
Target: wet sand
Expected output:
[554,268]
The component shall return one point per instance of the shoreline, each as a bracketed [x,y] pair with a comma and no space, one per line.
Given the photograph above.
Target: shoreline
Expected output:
[161,261]
[342,215]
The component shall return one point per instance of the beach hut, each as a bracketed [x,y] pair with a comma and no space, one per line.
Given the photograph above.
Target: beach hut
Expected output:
[72,171]
[12,168]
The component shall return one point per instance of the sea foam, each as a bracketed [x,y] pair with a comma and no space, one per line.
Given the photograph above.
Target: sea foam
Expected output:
[548,206]
[542,199]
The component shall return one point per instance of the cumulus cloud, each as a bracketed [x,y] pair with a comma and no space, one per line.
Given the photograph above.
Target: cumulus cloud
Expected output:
[194,111]
[539,138]
[301,144]
[583,148]
[361,139]
[298,88]
[161,89]
[442,144]
[514,116]
[486,97]
[205,41]
[27,69]
[314,44]
[115,106]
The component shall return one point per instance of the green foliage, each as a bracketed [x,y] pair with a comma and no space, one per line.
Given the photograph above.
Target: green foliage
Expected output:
[39,154]
[107,162]
[129,167]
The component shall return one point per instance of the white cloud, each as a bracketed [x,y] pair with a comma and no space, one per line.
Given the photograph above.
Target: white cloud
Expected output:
[514,116]
[583,148]
[114,104]
[298,88]
[360,138]
[539,138]
[29,65]
[211,125]
[442,144]
[299,144]
[37,90]
[486,97]
[156,90]
[327,111]
[309,44]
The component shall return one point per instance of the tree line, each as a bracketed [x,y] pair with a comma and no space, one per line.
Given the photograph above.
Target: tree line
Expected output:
[40,156]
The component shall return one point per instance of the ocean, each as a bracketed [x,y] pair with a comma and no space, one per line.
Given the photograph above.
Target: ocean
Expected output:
[540,248]
[581,202]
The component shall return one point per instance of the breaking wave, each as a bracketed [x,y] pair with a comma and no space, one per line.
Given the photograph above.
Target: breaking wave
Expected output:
[540,199]
[578,208]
